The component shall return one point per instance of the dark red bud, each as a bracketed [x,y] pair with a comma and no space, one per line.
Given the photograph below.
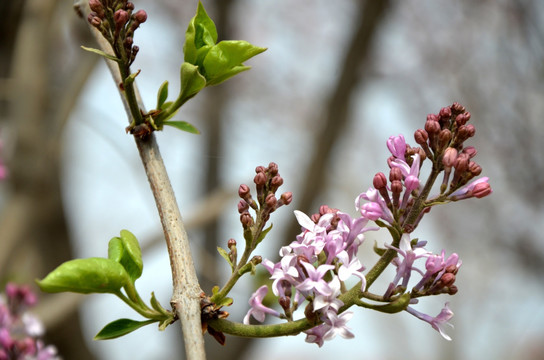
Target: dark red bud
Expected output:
[447,279]
[140,16]
[481,190]
[271,201]
[432,127]
[231,243]
[445,113]
[444,137]
[379,181]
[474,168]
[242,206]
[260,169]
[243,191]
[286,198]
[276,181]
[260,179]
[395,174]
[470,151]
[396,186]
[246,220]
[272,168]
[421,136]
[120,17]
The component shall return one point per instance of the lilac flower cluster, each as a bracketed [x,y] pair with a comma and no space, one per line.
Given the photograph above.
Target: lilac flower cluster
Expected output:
[324,255]
[314,267]
[20,332]
[442,142]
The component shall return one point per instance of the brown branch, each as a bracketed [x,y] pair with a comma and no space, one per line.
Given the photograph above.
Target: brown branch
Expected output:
[186,289]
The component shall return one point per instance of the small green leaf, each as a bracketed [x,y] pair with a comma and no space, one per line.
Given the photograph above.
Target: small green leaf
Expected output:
[263,235]
[162,95]
[120,328]
[225,302]
[225,255]
[191,82]
[225,59]
[126,251]
[378,250]
[101,53]
[157,306]
[396,306]
[201,33]
[93,275]
[184,126]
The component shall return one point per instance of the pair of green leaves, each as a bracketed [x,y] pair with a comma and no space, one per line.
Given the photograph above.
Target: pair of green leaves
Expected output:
[119,270]
[206,63]
[99,275]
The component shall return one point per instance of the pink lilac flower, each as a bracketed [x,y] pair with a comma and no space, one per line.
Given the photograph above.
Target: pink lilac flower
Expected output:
[325,302]
[337,325]
[314,281]
[351,267]
[410,255]
[258,310]
[477,188]
[438,322]
[315,334]
[397,146]
[376,208]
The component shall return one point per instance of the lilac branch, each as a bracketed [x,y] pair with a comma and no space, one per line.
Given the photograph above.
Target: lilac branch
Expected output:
[186,289]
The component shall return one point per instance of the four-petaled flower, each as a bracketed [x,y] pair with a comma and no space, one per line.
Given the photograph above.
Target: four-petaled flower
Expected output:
[258,310]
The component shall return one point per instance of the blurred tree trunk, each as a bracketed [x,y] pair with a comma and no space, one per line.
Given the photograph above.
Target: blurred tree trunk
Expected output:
[34,237]
[336,112]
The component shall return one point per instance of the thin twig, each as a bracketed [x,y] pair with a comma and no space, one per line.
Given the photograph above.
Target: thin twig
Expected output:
[186,289]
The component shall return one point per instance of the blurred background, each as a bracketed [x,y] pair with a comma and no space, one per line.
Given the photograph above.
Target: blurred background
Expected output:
[338,78]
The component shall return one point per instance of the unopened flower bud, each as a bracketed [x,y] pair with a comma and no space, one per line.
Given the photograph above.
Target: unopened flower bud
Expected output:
[457,108]
[140,16]
[447,279]
[285,302]
[260,169]
[481,189]
[260,179]
[273,168]
[231,243]
[461,163]
[395,174]
[97,7]
[421,136]
[256,260]
[444,114]
[243,191]
[470,151]
[129,6]
[243,206]
[120,18]
[286,198]
[474,168]
[444,138]
[276,182]
[432,126]
[271,201]
[246,220]
[379,181]
[450,155]
[94,20]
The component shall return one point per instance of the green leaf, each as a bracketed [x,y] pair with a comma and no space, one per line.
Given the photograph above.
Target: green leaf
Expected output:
[93,275]
[225,255]
[126,251]
[191,82]
[225,59]
[157,306]
[120,328]
[162,95]
[201,34]
[378,250]
[101,53]
[184,126]
[263,235]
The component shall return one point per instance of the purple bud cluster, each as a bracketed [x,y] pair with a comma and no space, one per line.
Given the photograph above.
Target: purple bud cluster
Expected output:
[442,142]
[20,331]
[267,181]
[314,267]
[117,22]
